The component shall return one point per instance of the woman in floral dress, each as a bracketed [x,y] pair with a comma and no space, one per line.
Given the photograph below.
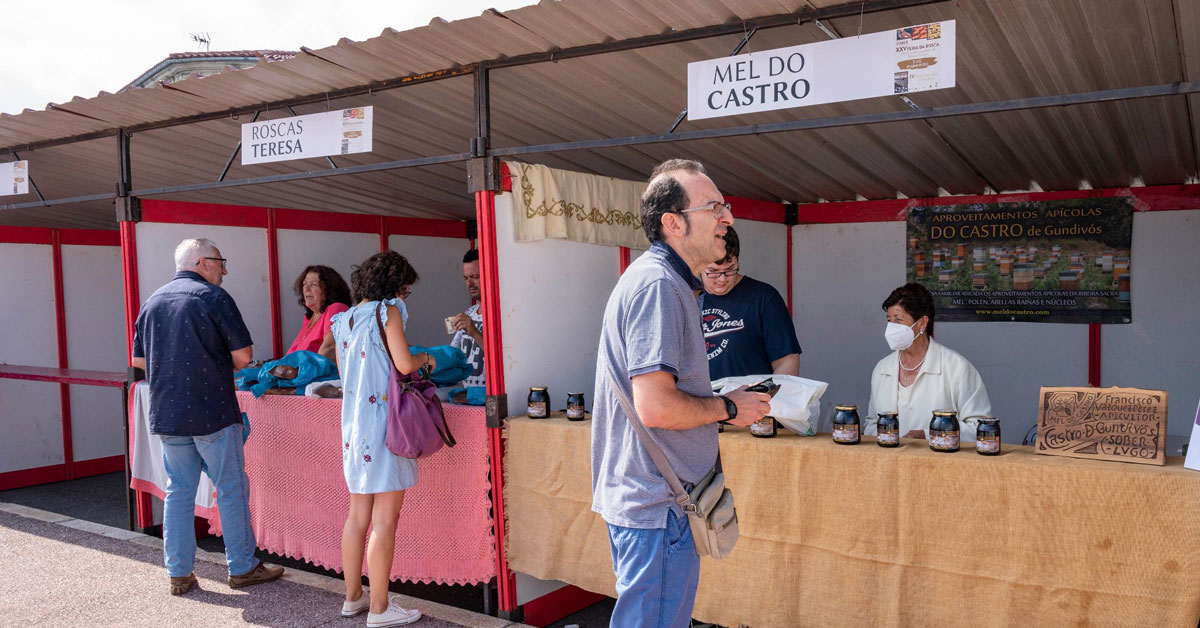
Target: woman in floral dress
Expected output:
[375,476]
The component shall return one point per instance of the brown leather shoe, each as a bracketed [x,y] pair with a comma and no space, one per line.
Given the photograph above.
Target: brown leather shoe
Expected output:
[179,586]
[258,575]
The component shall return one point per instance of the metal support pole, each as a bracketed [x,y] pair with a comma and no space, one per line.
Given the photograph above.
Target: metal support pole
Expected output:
[736,49]
[236,149]
[33,185]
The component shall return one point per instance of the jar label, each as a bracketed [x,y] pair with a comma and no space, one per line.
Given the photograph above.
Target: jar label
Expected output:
[947,439]
[537,410]
[845,433]
[763,426]
[889,436]
[574,412]
[987,444]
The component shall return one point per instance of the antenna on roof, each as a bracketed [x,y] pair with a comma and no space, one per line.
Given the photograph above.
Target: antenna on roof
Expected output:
[201,39]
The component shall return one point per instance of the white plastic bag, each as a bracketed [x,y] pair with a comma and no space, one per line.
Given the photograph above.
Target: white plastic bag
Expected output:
[797,405]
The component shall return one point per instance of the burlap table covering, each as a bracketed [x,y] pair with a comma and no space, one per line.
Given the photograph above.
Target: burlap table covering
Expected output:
[836,535]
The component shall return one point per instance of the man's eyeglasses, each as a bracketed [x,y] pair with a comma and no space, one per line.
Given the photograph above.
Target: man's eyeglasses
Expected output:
[719,210]
[218,259]
[724,273]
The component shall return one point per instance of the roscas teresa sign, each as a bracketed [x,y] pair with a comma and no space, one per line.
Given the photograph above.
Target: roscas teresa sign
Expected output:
[300,137]
[901,61]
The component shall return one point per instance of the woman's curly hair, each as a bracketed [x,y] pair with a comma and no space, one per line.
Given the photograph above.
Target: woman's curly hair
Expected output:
[336,290]
[381,276]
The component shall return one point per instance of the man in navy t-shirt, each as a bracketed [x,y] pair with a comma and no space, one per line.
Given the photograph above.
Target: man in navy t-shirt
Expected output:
[747,327]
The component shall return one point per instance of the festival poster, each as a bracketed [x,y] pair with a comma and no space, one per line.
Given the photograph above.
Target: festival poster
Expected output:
[1062,261]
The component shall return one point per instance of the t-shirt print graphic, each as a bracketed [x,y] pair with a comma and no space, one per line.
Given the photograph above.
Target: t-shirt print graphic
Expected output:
[718,326]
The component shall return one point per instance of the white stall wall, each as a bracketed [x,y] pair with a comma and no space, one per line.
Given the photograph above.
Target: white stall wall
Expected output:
[441,291]
[299,249]
[842,273]
[32,416]
[95,317]
[552,298]
[1160,348]
[247,281]
[764,253]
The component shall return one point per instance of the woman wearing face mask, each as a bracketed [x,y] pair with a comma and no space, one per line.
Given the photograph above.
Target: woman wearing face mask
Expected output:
[921,375]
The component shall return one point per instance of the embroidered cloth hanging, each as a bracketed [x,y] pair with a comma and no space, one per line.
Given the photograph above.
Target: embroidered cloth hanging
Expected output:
[550,203]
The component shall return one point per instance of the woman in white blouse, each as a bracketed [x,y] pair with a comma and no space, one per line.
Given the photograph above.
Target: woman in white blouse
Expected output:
[920,375]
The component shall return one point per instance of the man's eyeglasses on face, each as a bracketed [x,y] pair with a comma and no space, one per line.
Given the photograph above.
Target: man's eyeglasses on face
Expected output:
[723,273]
[218,259]
[719,210]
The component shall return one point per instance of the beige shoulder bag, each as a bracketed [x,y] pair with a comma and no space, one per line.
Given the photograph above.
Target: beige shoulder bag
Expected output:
[709,505]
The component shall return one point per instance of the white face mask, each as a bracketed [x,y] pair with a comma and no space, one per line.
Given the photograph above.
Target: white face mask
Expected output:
[900,337]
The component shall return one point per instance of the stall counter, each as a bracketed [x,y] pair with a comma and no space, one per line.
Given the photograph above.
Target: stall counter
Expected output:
[862,535]
[298,496]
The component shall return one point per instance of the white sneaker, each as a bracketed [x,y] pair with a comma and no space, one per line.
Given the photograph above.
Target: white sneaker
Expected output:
[393,616]
[350,609]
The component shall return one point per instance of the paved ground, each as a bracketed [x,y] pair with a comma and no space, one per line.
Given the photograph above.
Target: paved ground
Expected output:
[60,570]
[101,500]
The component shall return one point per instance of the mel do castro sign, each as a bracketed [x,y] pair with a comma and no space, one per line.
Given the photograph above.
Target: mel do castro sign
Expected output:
[301,137]
[900,61]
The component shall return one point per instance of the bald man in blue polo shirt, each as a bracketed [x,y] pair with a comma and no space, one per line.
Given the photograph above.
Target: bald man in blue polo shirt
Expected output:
[190,338]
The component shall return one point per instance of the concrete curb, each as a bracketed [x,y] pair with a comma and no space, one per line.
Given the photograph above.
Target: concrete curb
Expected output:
[317,581]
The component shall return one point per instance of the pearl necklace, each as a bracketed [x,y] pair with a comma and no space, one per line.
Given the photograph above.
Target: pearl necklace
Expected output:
[915,367]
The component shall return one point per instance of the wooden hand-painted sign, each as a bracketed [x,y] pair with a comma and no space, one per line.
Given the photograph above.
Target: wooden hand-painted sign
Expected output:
[1123,424]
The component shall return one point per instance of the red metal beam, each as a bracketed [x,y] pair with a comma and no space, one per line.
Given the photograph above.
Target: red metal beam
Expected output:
[89,237]
[273,285]
[25,235]
[383,236]
[1094,362]
[33,477]
[83,377]
[623,258]
[429,227]
[485,213]
[129,274]
[754,209]
[181,213]
[60,329]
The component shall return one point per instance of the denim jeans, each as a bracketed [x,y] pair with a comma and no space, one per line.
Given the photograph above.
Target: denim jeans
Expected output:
[222,452]
[657,575]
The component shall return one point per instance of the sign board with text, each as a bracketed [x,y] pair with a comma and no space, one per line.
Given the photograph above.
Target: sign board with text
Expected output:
[14,178]
[302,137]
[901,61]
[1122,424]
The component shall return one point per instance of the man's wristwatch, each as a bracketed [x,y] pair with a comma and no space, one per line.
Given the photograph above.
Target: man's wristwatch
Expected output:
[730,408]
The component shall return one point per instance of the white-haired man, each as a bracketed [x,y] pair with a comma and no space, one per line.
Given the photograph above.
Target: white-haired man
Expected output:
[190,338]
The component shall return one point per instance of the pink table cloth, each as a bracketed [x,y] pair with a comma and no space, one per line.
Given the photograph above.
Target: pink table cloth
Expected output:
[299,501]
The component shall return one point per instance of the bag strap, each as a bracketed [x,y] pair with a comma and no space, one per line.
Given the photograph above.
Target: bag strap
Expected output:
[656,454]
[379,322]
[443,428]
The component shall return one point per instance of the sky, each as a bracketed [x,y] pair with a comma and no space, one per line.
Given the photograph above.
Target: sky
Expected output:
[54,50]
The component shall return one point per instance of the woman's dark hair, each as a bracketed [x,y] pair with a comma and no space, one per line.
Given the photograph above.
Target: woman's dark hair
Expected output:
[665,194]
[336,290]
[915,300]
[381,276]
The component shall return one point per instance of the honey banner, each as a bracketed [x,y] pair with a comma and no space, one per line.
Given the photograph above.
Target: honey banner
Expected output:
[551,203]
[1064,261]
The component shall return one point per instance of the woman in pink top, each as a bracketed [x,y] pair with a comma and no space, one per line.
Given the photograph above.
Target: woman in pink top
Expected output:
[322,293]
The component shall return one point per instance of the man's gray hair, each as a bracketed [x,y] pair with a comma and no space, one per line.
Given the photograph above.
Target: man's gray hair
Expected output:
[189,252]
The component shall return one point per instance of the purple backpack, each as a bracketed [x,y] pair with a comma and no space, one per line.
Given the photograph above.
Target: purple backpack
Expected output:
[416,426]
